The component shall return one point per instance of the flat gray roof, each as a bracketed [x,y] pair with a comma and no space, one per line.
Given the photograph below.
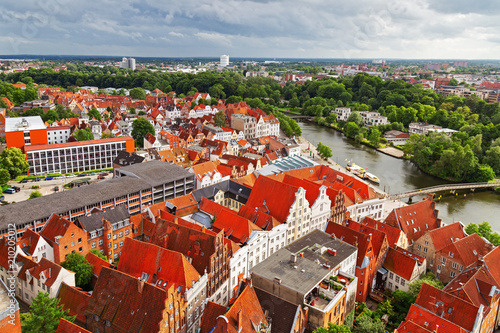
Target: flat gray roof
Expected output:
[16,124]
[142,176]
[306,273]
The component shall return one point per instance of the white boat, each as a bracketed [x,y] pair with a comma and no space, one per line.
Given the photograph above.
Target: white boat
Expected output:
[356,169]
[371,177]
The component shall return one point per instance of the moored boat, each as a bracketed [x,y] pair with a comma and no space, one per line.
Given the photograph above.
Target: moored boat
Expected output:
[371,177]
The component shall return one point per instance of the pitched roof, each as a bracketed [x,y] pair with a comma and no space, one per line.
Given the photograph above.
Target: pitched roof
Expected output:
[491,261]
[206,168]
[424,318]
[68,327]
[97,263]
[55,227]
[264,197]
[29,241]
[447,306]
[415,219]
[129,304]
[393,234]
[75,300]
[411,327]
[46,267]
[401,262]
[236,228]
[446,235]
[353,237]
[211,207]
[468,250]
[475,285]
[210,314]
[377,237]
[261,219]
[164,267]
[245,314]
[94,221]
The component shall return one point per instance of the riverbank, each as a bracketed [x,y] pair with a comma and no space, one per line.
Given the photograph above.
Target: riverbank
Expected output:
[391,151]
[307,149]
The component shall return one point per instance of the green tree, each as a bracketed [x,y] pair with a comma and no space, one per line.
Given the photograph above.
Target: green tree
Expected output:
[50,116]
[374,137]
[356,118]
[141,127]
[351,130]
[83,134]
[492,158]
[35,194]
[14,161]
[484,230]
[220,119]
[107,135]
[429,278]
[331,118]
[77,263]
[453,82]
[132,110]
[45,314]
[324,151]
[332,328]
[137,93]
[94,113]
[365,324]
[4,176]
[98,253]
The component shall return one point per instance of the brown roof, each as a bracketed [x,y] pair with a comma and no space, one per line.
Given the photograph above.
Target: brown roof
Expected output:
[446,235]
[210,314]
[68,327]
[75,300]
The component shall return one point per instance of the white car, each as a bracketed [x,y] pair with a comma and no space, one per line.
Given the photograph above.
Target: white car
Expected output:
[59,177]
[70,176]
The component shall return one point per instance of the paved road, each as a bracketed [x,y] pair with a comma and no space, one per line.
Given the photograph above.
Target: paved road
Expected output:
[46,187]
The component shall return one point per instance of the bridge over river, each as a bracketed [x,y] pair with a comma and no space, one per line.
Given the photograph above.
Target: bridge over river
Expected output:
[444,187]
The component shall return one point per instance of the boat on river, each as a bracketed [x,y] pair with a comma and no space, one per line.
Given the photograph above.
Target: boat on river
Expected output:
[371,177]
[356,169]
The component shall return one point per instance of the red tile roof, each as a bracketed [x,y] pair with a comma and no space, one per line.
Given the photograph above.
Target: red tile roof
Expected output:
[393,234]
[211,207]
[449,307]
[244,315]
[164,267]
[29,241]
[446,235]
[235,227]
[411,327]
[491,261]
[261,219]
[473,285]
[75,300]
[210,314]
[49,269]
[377,237]
[415,219]
[68,327]
[263,196]
[56,226]
[356,238]
[97,263]
[128,304]
[401,263]
[467,251]
[427,319]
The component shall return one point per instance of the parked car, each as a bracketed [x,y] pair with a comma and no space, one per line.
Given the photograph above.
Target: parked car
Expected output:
[2,198]
[83,174]
[23,181]
[56,188]
[70,176]
[36,179]
[104,173]
[101,177]
[59,177]
[9,191]
[16,188]
[92,174]
[49,178]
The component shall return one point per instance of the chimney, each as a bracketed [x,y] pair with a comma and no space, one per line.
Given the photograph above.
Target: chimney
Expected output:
[240,320]
[293,258]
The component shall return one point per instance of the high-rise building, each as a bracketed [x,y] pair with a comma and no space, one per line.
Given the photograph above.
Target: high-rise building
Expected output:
[224,60]
[128,63]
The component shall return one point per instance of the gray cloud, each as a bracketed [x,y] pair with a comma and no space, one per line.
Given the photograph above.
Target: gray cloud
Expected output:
[253,28]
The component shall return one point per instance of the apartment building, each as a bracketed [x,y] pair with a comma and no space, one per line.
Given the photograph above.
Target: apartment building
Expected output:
[76,156]
[245,123]
[135,186]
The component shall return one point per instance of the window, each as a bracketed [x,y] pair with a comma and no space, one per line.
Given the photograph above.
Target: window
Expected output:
[126,232]
[452,274]
[403,281]
[93,245]
[454,265]
[101,241]
[425,250]
[72,243]
[397,279]
[391,275]
[443,261]
[72,234]
[109,236]
[79,240]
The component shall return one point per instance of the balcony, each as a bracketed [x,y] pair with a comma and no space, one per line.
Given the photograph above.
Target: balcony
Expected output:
[324,295]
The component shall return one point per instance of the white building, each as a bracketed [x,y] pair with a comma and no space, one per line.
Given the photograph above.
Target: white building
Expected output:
[224,60]
[373,208]
[245,123]
[128,63]
[342,113]
[58,134]
[409,268]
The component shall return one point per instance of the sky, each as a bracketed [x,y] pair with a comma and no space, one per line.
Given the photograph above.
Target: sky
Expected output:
[378,29]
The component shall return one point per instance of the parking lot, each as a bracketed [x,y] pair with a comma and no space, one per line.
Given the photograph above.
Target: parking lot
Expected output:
[46,187]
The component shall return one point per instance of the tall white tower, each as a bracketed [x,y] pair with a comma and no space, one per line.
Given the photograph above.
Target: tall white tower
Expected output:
[224,60]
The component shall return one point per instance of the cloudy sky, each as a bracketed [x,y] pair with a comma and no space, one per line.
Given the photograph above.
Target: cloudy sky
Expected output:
[452,29]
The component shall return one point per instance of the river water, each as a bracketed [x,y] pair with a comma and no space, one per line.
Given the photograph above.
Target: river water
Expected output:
[397,175]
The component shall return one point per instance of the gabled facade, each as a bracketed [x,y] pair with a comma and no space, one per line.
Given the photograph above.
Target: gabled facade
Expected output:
[403,269]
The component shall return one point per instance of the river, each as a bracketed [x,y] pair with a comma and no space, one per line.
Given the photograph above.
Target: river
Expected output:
[397,175]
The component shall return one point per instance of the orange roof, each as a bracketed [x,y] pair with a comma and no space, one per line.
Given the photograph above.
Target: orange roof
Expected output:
[97,263]
[48,268]
[447,306]
[127,303]
[468,250]
[77,143]
[415,219]
[206,168]
[424,318]
[393,234]
[491,261]
[68,327]
[411,327]
[75,300]
[446,235]
[401,263]
[185,204]
[210,314]
[353,237]
[263,196]
[212,208]
[261,219]
[244,314]
[164,267]
[235,227]
[56,226]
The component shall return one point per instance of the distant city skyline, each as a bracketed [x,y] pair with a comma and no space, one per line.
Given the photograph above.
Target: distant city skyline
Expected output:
[403,29]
